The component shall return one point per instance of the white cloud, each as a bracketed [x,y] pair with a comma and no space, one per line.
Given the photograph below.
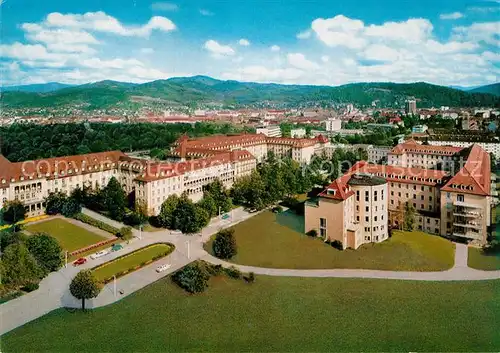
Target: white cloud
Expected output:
[218,49]
[96,63]
[32,52]
[299,61]
[275,48]
[339,31]
[244,42]
[325,58]
[259,73]
[205,12]
[60,39]
[304,34]
[486,32]
[412,30]
[380,52]
[101,22]
[147,50]
[483,10]
[164,6]
[491,56]
[451,16]
[449,47]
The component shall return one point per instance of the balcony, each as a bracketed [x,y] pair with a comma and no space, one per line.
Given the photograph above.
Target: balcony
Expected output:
[466,205]
[472,225]
[468,235]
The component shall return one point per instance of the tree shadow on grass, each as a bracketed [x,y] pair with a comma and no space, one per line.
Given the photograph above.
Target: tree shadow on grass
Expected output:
[291,220]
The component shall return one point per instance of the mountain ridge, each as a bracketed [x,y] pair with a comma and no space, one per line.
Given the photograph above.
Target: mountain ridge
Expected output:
[207,90]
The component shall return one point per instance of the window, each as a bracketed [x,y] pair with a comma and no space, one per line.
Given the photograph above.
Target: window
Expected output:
[422,188]
[392,193]
[460,197]
[414,196]
[430,198]
[367,219]
[357,208]
[357,218]
[375,218]
[375,195]
[322,227]
[428,221]
[367,197]
[357,195]
[367,208]
[392,202]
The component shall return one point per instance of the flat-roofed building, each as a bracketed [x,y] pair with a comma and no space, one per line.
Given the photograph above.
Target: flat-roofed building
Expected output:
[270,130]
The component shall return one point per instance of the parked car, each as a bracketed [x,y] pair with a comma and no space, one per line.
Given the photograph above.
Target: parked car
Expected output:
[116,247]
[225,216]
[99,254]
[252,210]
[163,268]
[80,261]
[175,232]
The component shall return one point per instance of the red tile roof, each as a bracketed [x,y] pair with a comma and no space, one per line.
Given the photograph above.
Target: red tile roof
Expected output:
[411,146]
[61,166]
[474,176]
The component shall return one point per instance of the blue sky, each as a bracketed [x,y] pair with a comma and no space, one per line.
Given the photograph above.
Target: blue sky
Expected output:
[449,42]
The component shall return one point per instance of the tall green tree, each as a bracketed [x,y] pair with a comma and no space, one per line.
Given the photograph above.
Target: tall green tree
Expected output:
[54,203]
[409,217]
[13,211]
[85,286]
[115,199]
[46,251]
[20,266]
[224,245]
[166,217]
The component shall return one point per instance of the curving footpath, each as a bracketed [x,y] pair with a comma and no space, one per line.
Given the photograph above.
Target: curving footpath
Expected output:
[54,289]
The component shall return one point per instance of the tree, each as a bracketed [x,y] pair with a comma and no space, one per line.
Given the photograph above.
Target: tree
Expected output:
[166,217]
[54,203]
[224,245]
[71,207]
[46,250]
[85,286]
[13,211]
[115,199]
[20,266]
[409,217]
[220,195]
[189,218]
[208,204]
[192,278]
[8,237]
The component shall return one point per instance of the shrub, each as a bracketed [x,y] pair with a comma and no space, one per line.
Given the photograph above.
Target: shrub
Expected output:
[192,278]
[30,287]
[233,272]
[224,245]
[250,278]
[337,244]
[277,209]
[125,233]
[214,270]
[312,233]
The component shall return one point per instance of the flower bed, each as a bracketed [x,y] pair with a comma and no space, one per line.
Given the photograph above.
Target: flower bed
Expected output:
[132,262]
[93,246]
[124,232]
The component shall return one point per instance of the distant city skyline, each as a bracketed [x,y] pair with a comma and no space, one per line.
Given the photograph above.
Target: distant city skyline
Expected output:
[449,42]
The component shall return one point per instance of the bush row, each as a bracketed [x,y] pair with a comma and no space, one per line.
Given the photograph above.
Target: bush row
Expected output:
[123,232]
[194,277]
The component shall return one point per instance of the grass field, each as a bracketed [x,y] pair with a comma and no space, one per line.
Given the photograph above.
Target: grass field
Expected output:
[277,241]
[131,260]
[279,314]
[69,236]
[480,261]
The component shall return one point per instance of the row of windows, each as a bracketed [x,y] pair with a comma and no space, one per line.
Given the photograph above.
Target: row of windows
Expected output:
[414,196]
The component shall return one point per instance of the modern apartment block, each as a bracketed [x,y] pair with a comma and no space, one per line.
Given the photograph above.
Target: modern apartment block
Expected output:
[378,154]
[195,164]
[450,203]
[270,130]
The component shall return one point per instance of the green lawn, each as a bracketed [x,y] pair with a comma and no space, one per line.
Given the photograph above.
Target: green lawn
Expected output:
[69,236]
[480,261]
[131,260]
[277,241]
[278,314]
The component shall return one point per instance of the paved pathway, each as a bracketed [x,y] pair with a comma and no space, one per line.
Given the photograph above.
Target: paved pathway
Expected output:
[54,289]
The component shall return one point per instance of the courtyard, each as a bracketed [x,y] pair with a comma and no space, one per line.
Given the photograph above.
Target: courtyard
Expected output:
[278,314]
[70,236]
[278,241]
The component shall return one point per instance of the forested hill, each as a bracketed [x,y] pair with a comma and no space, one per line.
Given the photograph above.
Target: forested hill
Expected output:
[197,90]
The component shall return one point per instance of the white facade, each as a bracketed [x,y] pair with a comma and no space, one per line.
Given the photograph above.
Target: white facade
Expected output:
[300,132]
[378,153]
[270,131]
[333,124]
[490,147]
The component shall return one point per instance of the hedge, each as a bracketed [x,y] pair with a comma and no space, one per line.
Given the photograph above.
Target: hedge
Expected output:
[124,232]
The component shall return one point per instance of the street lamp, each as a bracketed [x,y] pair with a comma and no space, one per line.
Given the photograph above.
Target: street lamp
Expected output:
[140,232]
[66,258]
[188,250]
[114,285]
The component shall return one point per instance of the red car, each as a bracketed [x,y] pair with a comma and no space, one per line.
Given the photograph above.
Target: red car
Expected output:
[80,261]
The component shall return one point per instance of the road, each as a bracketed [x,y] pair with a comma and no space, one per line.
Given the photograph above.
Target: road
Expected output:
[54,289]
